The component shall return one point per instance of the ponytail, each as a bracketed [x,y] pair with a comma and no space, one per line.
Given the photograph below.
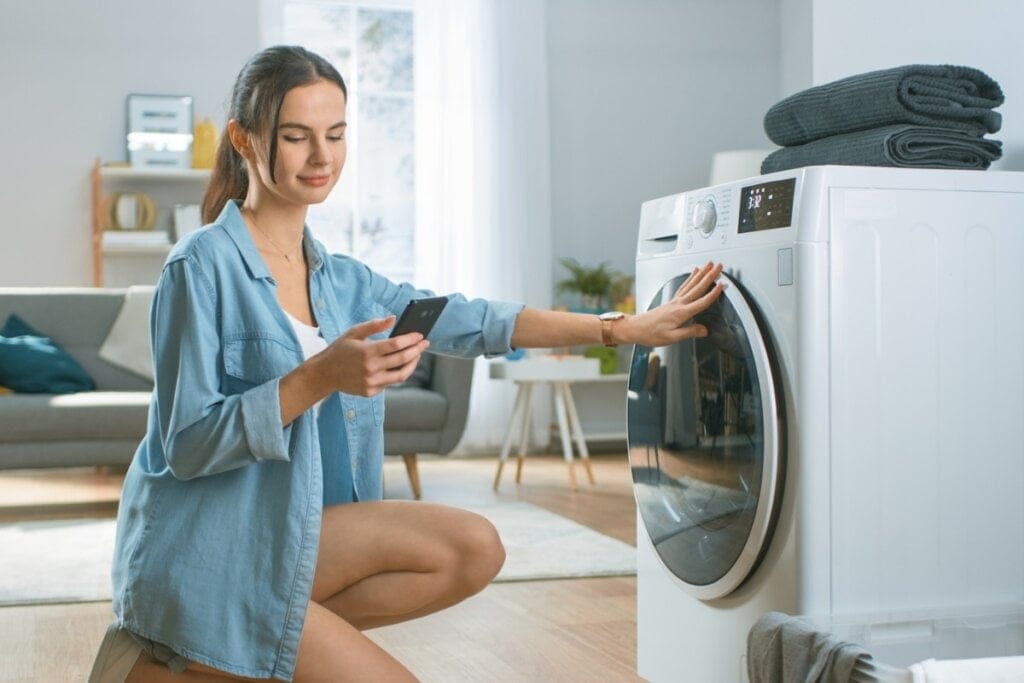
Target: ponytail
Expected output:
[228,180]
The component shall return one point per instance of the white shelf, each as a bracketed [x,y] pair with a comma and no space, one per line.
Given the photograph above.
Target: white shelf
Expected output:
[547,369]
[141,248]
[132,173]
[120,259]
[616,377]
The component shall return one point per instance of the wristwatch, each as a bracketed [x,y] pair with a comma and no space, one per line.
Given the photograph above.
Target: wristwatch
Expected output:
[606,326]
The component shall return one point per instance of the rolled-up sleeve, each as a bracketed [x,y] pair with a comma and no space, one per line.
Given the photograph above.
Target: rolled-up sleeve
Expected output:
[499,321]
[204,431]
[261,415]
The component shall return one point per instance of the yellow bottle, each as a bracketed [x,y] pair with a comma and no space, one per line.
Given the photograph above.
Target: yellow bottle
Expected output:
[204,144]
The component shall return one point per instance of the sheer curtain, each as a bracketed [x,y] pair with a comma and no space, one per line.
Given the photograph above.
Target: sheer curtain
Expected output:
[483,219]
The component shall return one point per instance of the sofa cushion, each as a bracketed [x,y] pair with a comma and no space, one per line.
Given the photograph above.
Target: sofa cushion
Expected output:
[411,408]
[81,453]
[422,375]
[77,319]
[81,416]
[32,363]
[128,346]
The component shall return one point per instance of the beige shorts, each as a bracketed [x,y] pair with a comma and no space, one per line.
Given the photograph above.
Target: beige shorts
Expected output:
[161,653]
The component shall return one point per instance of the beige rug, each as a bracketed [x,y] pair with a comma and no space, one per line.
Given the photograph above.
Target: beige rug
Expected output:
[69,560]
[542,545]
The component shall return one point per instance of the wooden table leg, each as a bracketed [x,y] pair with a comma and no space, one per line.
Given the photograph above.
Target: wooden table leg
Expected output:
[506,445]
[524,436]
[563,431]
[577,429]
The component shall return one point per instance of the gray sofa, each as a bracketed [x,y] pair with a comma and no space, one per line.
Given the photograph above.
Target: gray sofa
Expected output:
[103,427]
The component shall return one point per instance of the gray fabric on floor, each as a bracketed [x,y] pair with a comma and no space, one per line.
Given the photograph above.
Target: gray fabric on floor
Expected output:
[785,649]
[955,97]
[901,146]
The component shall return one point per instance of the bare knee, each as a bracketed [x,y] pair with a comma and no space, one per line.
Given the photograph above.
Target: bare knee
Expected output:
[482,553]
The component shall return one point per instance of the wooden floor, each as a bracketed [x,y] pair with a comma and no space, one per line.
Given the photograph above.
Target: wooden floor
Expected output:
[563,630]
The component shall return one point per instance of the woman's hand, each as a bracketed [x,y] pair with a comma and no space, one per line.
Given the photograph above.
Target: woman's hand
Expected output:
[366,367]
[667,324]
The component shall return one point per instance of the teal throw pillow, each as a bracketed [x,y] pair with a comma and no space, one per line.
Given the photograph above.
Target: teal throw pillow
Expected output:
[31,363]
[16,327]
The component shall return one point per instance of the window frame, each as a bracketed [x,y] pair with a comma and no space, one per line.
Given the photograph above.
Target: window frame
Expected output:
[272,33]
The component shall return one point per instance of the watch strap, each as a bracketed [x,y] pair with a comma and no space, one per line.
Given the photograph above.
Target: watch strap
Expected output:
[606,331]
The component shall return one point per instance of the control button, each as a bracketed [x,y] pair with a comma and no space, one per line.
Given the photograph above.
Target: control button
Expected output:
[705,216]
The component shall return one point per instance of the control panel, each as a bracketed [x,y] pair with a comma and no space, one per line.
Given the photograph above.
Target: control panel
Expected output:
[717,217]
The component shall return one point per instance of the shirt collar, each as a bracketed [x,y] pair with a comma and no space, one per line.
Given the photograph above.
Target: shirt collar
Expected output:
[231,218]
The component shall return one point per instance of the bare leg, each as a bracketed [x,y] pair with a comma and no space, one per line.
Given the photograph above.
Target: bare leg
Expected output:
[387,562]
[379,563]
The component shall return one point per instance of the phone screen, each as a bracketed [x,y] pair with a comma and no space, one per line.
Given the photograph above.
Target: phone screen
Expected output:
[419,316]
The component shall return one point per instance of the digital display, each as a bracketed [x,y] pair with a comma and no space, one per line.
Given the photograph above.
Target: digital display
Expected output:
[767,206]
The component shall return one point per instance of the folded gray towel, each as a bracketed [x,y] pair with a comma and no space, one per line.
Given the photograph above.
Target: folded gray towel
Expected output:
[785,649]
[903,146]
[956,97]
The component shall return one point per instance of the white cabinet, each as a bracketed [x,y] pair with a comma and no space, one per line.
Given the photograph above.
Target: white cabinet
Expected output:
[130,257]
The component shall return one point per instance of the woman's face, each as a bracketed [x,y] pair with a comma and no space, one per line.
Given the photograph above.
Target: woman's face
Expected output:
[311,146]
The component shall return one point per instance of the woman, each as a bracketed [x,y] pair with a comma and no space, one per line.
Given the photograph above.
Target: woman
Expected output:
[252,542]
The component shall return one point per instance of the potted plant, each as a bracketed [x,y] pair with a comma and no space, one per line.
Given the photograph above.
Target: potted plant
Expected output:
[621,294]
[592,284]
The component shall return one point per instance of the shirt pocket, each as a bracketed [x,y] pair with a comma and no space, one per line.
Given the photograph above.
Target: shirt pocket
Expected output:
[253,360]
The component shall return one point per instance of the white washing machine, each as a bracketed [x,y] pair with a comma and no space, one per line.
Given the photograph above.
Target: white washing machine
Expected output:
[848,442]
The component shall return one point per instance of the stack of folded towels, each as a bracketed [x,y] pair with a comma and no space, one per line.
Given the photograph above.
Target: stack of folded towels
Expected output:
[922,116]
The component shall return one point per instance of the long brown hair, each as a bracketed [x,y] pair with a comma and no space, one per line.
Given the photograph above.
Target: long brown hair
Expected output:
[256,104]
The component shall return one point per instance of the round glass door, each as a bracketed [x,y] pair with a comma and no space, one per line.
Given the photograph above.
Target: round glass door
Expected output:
[705,445]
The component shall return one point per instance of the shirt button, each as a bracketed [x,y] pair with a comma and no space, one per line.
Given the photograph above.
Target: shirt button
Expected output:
[351,414]
[320,304]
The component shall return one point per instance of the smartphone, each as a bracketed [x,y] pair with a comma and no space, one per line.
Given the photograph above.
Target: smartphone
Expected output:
[419,316]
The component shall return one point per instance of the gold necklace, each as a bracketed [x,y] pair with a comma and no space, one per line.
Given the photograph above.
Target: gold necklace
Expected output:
[284,252]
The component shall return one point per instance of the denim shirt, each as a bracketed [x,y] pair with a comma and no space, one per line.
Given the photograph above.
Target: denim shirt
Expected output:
[219,523]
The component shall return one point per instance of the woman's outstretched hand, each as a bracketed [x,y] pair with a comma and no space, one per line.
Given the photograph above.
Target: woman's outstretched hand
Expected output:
[365,367]
[670,322]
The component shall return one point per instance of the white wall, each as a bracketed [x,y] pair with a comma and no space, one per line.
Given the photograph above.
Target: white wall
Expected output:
[795,46]
[853,37]
[642,93]
[65,70]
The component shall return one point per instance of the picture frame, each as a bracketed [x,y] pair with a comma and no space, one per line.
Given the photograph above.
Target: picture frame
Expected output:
[159,131]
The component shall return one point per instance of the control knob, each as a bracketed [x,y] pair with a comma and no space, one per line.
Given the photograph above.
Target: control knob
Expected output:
[705,216]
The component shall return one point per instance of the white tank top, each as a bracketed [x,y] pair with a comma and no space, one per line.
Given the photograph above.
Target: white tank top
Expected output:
[310,341]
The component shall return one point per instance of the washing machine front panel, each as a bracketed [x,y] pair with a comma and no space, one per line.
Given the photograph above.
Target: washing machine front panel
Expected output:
[706,446]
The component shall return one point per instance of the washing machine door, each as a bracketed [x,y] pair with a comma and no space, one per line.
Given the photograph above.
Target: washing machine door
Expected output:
[706,445]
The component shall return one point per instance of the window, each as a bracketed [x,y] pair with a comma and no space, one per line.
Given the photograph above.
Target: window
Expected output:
[371,213]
